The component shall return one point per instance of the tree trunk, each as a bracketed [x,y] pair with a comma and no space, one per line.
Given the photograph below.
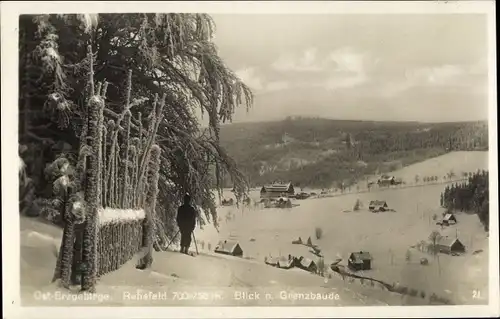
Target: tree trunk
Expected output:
[64,260]
[76,273]
[67,234]
[67,254]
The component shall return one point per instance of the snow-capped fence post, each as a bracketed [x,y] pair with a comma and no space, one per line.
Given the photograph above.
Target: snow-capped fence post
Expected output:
[103,161]
[92,191]
[118,177]
[133,172]
[126,144]
[109,177]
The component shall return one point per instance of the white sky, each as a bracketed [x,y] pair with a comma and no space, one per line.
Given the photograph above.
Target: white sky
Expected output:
[377,67]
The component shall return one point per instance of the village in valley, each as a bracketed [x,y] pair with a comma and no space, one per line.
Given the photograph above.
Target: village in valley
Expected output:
[446,235]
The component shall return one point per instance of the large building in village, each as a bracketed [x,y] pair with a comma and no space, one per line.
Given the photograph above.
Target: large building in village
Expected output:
[277,190]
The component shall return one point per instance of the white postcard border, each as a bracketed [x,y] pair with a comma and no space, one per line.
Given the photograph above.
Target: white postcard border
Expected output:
[10,217]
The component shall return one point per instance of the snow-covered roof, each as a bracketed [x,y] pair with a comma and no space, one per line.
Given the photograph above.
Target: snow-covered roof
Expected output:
[277,187]
[449,216]
[306,262]
[448,241]
[378,203]
[227,246]
[285,262]
[362,255]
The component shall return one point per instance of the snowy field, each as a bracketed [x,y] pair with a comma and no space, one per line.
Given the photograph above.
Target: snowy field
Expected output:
[387,236]
[263,232]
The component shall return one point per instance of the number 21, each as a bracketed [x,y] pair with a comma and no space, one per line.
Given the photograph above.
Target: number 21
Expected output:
[476,294]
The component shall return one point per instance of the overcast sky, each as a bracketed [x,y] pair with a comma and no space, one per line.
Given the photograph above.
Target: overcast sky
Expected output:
[377,67]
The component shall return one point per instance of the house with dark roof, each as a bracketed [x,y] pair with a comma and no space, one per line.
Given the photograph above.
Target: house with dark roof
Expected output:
[450,245]
[378,206]
[386,180]
[227,247]
[449,219]
[277,190]
[361,260]
[307,264]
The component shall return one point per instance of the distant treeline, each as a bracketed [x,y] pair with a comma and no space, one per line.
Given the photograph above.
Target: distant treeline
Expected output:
[471,196]
[319,152]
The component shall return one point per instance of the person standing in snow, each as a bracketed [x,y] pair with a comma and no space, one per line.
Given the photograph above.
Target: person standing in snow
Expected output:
[186,220]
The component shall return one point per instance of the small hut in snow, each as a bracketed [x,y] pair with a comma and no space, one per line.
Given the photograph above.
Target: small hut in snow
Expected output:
[449,245]
[307,264]
[360,261]
[229,248]
[449,219]
[378,206]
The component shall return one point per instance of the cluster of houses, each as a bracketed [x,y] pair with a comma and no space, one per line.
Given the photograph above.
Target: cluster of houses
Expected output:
[281,190]
[289,262]
[357,261]
[232,248]
[277,195]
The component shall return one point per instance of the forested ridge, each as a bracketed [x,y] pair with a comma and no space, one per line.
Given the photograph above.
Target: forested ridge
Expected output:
[320,152]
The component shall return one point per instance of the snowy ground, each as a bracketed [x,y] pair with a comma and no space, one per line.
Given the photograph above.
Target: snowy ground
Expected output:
[211,279]
[176,279]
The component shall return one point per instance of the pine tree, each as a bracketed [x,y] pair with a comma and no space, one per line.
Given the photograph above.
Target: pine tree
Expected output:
[54,68]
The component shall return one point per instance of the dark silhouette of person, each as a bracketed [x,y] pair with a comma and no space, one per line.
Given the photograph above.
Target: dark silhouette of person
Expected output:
[186,220]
